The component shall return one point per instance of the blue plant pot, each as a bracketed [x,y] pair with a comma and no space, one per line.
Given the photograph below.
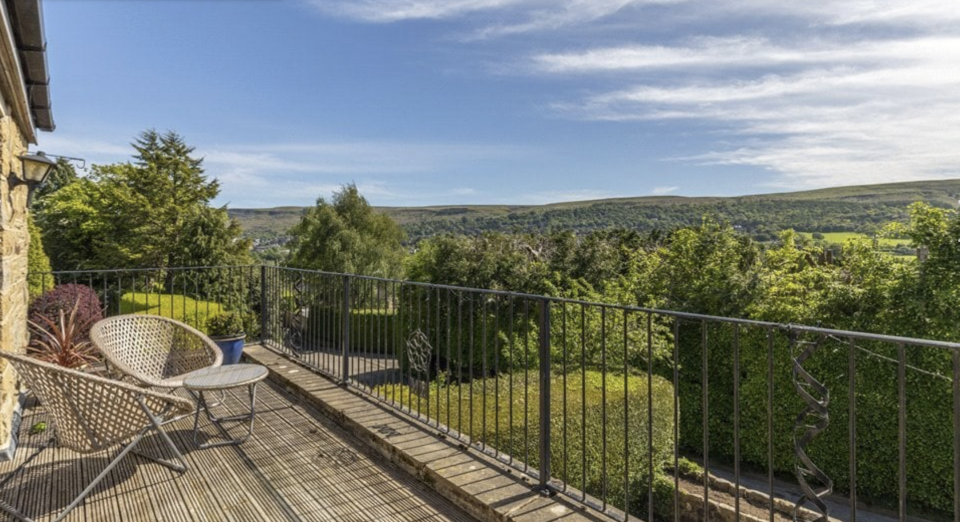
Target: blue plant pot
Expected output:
[232,347]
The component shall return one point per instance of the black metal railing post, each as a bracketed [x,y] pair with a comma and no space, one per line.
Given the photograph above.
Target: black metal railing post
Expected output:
[345,332]
[544,339]
[263,304]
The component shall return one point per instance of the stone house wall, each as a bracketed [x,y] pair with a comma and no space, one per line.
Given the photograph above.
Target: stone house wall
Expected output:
[14,241]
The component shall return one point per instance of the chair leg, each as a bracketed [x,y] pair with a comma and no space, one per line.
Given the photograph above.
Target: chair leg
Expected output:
[8,508]
[113,463]
[157,423]
[12,511]
[4,506]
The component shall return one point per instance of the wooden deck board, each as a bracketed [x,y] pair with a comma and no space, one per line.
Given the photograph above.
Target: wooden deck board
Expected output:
[298,466]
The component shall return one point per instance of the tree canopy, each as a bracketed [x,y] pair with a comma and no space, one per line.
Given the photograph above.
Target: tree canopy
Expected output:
[60,176]
[716,269]
[346,235]
[154,211]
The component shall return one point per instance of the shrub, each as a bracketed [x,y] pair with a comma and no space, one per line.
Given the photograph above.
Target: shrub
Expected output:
[663,489]
[370,330]
[251,325]
[468,343]
[929,419]
[64,298]
[225,324]
[61,341]
[502,412]
[480,334]
[38,264]
[179,307]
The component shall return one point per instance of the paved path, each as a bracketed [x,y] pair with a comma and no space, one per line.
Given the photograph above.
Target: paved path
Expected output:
[839,508]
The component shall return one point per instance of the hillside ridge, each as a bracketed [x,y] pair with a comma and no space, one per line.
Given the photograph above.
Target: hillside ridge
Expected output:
[855,207]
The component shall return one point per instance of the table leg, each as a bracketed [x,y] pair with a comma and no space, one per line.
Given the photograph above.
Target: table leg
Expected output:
[253,408]
[218,421]
[201,405]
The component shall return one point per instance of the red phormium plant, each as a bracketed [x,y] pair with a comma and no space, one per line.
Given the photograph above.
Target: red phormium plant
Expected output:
[62,342]
[64,297]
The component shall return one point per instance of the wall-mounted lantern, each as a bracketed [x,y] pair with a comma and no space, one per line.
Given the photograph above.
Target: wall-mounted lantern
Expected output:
[36,168]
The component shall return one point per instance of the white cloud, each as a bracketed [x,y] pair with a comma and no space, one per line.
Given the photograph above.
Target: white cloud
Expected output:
[923,13]
[523,15]
[90,150]
[384,11]
[875,111]
[559,14]
[297,172]
[738,52]
[490,18]
[283,173]
[284,192]
[663,191]
[819,92]
[248,163]
[81,146]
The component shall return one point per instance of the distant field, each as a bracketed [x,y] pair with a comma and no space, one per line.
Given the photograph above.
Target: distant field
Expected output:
[843,237]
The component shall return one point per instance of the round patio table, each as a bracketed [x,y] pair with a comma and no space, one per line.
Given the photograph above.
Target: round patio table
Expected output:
[221,379]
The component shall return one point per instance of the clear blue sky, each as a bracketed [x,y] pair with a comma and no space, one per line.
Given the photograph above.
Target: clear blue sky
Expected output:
[514,101]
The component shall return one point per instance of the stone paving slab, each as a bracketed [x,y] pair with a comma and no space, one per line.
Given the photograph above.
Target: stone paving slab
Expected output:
[478,484]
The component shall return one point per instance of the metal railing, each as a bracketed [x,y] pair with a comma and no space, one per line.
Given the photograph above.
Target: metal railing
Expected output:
[188,294]
[618,407]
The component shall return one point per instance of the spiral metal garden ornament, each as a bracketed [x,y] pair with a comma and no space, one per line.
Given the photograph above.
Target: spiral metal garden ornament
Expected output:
[814,418]
[295,319]
[418,351]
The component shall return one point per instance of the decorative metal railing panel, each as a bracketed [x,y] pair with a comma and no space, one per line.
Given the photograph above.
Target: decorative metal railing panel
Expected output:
[811,421]
[294,317]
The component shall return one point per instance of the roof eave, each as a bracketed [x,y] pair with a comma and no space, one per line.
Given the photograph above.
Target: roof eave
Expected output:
[26,20]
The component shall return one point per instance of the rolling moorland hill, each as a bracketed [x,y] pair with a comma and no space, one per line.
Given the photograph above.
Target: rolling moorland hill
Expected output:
[844,209]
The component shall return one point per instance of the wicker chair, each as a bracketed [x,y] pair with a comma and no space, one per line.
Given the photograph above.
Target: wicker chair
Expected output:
[154,351]
[90,413]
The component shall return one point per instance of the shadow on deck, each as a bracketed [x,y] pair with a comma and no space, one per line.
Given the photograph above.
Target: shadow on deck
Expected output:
[297,466]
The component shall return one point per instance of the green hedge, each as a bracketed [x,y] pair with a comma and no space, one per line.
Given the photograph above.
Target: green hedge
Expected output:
[388,331]
[371,331]
[38,264]
[500,337]
[182,308]
[929,418]
[517,432]
[929,400]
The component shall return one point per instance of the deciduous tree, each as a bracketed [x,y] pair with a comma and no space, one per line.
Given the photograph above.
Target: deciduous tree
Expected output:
[347,235]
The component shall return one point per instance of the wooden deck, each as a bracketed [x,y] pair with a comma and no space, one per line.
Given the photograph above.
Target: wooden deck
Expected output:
[297,466]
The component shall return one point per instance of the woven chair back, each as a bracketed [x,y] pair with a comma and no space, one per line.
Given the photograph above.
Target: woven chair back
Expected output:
[91,413]
[154,350]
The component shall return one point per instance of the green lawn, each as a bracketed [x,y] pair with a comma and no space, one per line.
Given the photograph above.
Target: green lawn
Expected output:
[843,237]
[181,308]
